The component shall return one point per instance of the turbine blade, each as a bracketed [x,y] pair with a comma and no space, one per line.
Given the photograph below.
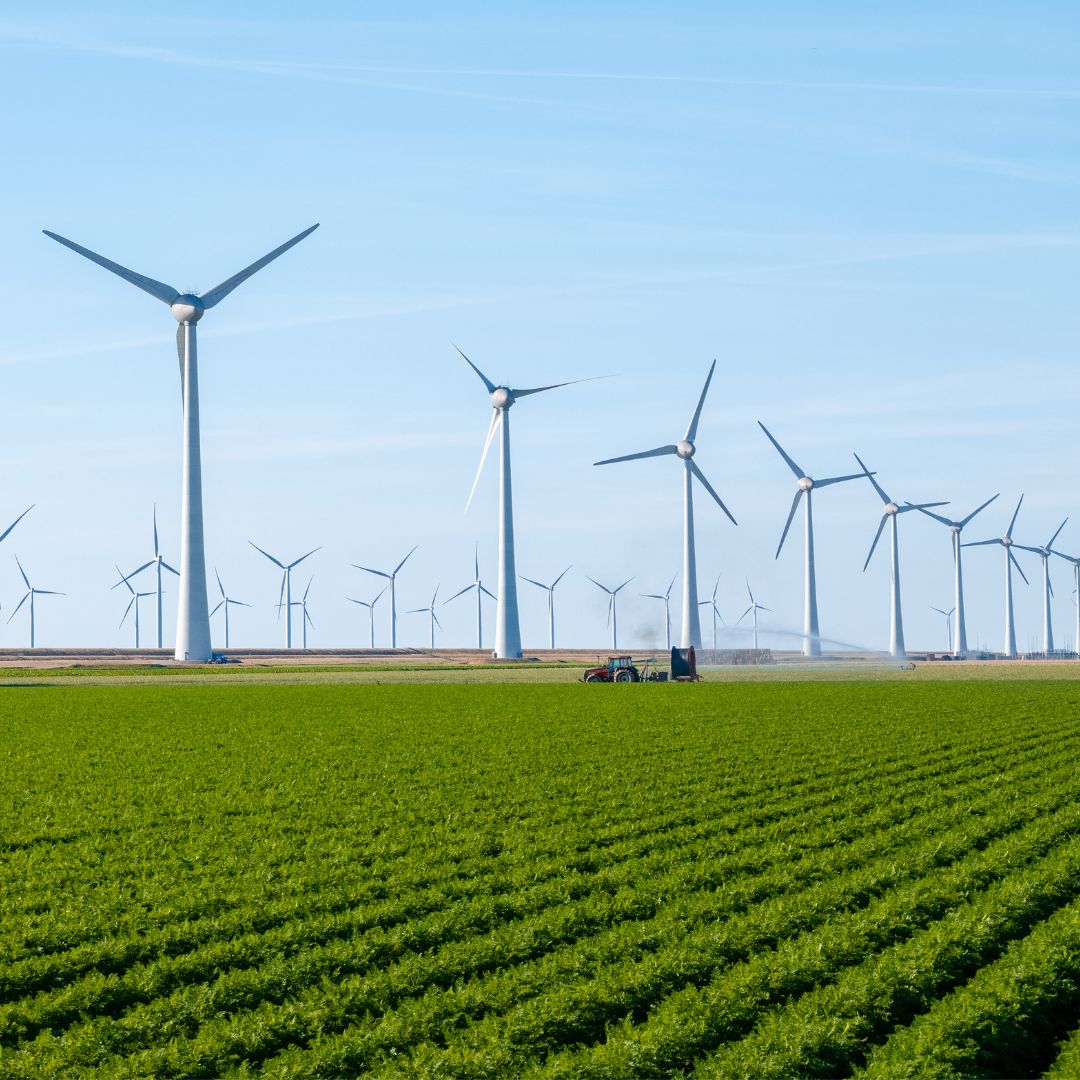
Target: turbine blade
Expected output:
[166,566]
[155,523]
[964,521]
[267,554]
[487,592]
[561,576]
[980,543]
[219,292]
[128,577]
[362,603]
[496,417]
[22,571]
[610,606]
[530,581]
[1008,532]
[180,345]
[555,386]
[838,479]
[748,592]
[402,563]
[158,289]
[281,593]
[652,596]
[939,611]
[691,431]
[937,517]
[660,451]
[123,581]
[436,618]
[870,476]
[19,605]
[709,488]
[1051,585]
[877,537]
[127,609]
[1019,570]
[1025,547]
[744,614]
[296,562]
[762,607]
[918,506]
[783,453]
[461,592]
[476,562]
[216,609]
[368,570]
[1050,544]
[671,585]
[483,378]
[790,519]
[381,591]
[4,534]
[598,585]
[221,588]
[623,586]
[308,617]
[308,589]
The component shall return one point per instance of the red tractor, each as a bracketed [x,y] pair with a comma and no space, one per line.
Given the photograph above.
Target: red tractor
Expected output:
[617,669]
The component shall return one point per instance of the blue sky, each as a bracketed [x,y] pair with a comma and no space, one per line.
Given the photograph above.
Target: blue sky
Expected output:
[866,214]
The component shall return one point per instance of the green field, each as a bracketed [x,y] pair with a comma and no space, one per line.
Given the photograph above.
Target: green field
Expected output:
[739,880]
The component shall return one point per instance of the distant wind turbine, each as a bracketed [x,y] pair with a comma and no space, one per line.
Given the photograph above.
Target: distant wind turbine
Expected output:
[666,597]
[955,528]
[224,602]
[481,592]
[1006,542]
[1074,560]
[370,605]
[806,485]
[891,512]
[193,617]
[685,450]
[286,586]
[1048,590]
[159,564]
[30,594]
[949,643]
[133,602]
[507,622]
[390,576]
[429,610]
[550,590]
[711,602]
[612,613]
[754,607]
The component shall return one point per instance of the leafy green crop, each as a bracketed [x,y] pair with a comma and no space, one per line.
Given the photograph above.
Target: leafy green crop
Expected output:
[500,880]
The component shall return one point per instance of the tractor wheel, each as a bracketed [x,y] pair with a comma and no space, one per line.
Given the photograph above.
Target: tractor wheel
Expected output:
[624,676]
[593,678]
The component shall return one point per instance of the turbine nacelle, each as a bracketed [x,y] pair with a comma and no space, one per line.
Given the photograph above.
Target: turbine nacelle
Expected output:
[187,308]
[685,449]
[891,508]
[502,397]
[804,483]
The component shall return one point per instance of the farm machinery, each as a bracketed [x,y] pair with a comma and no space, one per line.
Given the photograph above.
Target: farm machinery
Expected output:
[623,669]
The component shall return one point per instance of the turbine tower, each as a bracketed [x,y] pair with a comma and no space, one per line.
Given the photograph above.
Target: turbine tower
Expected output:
[370,605]
[754,607]
[550,590]
[193,617]
[1006,542]
[133,602]
[1048,590]
[507,624]
[666,597]
[159,564]
[1075,561]
[612,614]
[429,610]
[685,449]
[286,586]
[30,594]
[224,602]
[481,592]
[949,643]
[955,528]
[891,513]
[390,576]
[805,485]
[711,602]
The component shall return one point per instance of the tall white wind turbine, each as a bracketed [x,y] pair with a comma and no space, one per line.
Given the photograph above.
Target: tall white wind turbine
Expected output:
[754,607]
[481,592]
[370,605]
[1006,542]
[959,646]
[224,602]
[193,616]
[390,576]
[286,586]
[685,449]
[950,644]
[806,485]
[612,613]
[30,594]
[159,564]
[429,610]
[550,590]
[666,597]
[1044,553]
[1074,560]
[507,623]
[133,602]
[891,512]
[711,603]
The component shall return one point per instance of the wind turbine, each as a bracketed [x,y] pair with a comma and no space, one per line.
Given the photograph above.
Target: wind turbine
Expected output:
[305,622]
[1048,590]
[805,485]
[711,602]
[890,514]
[955,528]
[612,614]
[1075,561]
[948,627]
[685,449]
[754,607]
[224,602]
[392,578]
[30,593]
[133,602]
[370,605]
[481,592]
[666,597]
[286,586]
[507,624]
[159,564]
[429,610]
[550,590]
[1006,542]
[193,618]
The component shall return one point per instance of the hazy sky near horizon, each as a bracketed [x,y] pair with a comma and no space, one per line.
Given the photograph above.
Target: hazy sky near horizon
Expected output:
[868,216]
